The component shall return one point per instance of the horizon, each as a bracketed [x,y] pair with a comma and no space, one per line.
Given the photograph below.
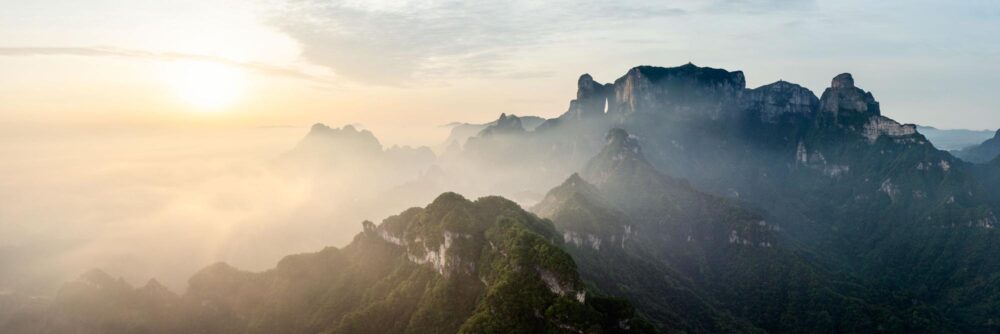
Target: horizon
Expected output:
[277,65]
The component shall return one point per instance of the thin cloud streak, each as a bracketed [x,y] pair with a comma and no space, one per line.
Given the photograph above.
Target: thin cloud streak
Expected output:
[390,44]
[261,68]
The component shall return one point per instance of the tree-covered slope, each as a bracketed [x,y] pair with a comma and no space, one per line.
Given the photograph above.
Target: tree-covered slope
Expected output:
[455,266]
[718,264]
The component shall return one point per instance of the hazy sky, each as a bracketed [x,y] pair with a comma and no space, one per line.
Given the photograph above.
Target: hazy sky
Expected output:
[136,135]
[395,66]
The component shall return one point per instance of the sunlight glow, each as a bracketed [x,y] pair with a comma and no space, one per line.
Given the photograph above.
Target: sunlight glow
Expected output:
[206,86]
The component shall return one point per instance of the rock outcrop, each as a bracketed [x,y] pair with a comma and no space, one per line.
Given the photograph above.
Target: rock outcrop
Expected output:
[878,126]
[687,91]
[772,101]
[843,97]
[591,98]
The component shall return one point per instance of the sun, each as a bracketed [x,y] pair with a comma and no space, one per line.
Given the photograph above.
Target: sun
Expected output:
[207,86]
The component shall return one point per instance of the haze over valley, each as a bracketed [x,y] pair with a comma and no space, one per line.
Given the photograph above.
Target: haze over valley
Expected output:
[439,167]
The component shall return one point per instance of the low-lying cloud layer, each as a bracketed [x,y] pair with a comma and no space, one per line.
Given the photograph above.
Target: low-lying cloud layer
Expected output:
[163,206]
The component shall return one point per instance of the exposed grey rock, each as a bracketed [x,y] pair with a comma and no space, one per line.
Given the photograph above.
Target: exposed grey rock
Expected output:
[884,126]
[843,97]
[591,98]
[843,80]
[684,91]
[782,97]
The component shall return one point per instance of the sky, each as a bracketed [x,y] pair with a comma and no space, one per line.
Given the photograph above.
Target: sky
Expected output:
[397,66]
[136,135]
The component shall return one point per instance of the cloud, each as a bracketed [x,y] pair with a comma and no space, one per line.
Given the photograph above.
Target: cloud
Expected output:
[392,42]
[762,6]
[163,206]
[261,68]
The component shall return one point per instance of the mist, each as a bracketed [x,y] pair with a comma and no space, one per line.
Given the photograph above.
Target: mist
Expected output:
[162,204]
[158,204]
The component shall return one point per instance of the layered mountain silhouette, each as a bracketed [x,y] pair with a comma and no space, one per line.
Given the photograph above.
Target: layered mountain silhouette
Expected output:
[461,132]
[347,147]
[723,267]
[863,193]
[982,153]
[954,139]
[704,205]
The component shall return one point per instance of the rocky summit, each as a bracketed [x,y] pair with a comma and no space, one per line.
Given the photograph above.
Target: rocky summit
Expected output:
[858,188]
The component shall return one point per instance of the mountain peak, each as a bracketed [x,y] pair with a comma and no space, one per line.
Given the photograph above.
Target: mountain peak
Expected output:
[506,124]
[621,141]
[574,179]
[621,154]
[591,97]
[773,101]
[153,288]
[573,184]
[326,130]
[685,91]
[844,98]
[843,80]
[324,141]
[556,197]
[97,277]
[319,127]
[690,73]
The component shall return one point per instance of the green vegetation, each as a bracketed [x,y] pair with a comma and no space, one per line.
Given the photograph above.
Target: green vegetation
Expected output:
[455,266]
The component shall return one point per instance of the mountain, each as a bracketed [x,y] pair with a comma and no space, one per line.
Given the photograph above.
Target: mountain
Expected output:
[460,132]
[325,147]
[954,139]
[721,265]
[981,153]
[346,175]
[863,193]
[483,266]
[708,205]
[602,241]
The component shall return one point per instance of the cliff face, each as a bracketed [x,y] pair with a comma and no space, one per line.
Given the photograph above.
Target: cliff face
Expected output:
[831,170]
[681,90]
[591,98]
[772,102]
[843,96]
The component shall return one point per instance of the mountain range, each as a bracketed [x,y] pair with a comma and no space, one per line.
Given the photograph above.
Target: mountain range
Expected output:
[981,153]
[671,199]
[454,266]
[954,139]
